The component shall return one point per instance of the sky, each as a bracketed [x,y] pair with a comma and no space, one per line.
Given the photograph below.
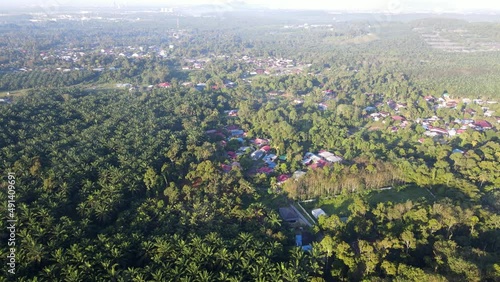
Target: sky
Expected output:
[379,5]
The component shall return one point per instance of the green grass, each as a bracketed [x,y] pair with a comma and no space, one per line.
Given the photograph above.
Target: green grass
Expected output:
[339,205]
[399,195]
[15,93]
[84,85]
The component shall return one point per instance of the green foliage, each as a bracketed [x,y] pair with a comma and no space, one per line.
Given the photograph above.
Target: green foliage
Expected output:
[125,185]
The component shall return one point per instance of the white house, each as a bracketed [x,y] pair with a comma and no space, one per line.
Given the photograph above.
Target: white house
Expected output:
[318,212]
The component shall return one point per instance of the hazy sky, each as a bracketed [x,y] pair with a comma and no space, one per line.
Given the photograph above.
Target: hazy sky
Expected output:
[381,5]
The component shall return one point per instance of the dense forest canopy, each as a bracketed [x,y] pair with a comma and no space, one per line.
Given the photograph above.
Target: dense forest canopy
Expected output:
[179,147]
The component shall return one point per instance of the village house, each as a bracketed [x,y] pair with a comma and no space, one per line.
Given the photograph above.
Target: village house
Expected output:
[260,142]
[164,85]
[329,157]
[470,111]
[310,157]
[270,158]
[429,98]
[318,212]
[438,130]
[451,104]
[236,132]
[489,113]
[233,113]
[282,178]
[298,174]
[398,118]
[431,134]
[483,125]
[288,214]
[256,155]
[242,150]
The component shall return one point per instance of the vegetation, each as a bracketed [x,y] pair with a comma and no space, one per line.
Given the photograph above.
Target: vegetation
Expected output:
[121,160]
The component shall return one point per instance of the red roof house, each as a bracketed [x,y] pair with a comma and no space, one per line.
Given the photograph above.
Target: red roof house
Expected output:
[429,98]
[484,124]
[164,85]
[398,118]
[266,148]
[259,141]
[318,164]
[226,168]
[283,178]
[438,130]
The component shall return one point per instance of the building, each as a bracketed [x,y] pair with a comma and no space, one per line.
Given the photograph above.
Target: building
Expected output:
[483,124]
[398,118]
[298,174]
[288,214]
[329,157]
[318,212]
[260,142]
[257,155]
[164,85]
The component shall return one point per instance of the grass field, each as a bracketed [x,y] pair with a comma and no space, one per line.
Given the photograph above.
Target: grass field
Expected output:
[15,93]
[399,195]
[339,205]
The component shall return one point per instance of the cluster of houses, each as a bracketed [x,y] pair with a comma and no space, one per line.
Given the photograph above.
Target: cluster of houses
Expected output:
[260,152]
[458,126]
[396,106]
[195,64]
[264,160]
[72,55]
[464,124]
[446,102]
[321,159]
[272,65]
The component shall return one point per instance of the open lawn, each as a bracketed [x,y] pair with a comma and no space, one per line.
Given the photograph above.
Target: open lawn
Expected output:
[15,93]
[399,195]
[339,205]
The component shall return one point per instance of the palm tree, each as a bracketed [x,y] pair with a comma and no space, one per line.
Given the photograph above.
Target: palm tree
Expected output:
[204,276]
[244,239]
[72,274]
[50,272]
[222,256]
[139,278]
[158,275]
[274,219]
[34,251]
[162,246]
[192,268]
